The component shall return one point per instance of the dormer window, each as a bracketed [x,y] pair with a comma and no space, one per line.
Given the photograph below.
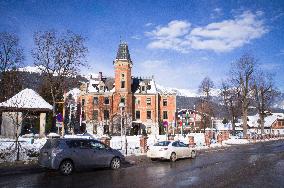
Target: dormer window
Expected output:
[101,88]
[143,88]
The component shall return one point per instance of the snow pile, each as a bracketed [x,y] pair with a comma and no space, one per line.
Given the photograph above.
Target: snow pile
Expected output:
[26,98]
[53,135]
[233,141]
[133,144]
[28,150]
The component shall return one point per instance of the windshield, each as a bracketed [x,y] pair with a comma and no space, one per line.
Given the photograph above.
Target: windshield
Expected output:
[163,143]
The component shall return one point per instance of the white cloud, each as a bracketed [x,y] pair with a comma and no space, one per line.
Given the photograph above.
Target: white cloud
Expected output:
[217,12]
[277,16]
[136,37]
[221,36]
[148,24]
[170,36]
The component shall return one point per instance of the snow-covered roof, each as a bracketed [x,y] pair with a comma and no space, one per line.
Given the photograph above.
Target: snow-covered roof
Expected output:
[26,99]
[221,126]
[268,120]
[75,92]
[153,88]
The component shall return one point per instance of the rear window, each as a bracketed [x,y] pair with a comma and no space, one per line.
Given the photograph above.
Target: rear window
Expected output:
[163,143]
[51,143]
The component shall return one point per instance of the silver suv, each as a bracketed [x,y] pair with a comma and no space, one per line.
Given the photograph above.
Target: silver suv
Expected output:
[65,154]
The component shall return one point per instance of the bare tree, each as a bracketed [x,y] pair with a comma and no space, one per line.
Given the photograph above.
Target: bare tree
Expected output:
[11,57]
[58,57]
[11,54]
[204,105]
[229,95]
[264,93]
[242,72]
[206,87]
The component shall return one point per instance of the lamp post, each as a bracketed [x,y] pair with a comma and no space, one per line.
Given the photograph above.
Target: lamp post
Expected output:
[212,123]
[121,106]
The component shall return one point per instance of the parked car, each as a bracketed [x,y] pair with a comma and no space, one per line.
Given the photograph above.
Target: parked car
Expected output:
[65,154]
[171,150]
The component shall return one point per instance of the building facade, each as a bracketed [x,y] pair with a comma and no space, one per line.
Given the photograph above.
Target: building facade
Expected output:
[144,108]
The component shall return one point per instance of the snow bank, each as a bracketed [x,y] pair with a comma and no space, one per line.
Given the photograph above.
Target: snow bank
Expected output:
[235,141]
[133,144]
[28,150]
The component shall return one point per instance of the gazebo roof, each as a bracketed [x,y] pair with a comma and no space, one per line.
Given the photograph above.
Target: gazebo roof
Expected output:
[26,100]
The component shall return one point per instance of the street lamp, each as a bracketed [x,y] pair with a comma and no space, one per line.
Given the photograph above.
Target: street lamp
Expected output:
[212,123]
[121,106]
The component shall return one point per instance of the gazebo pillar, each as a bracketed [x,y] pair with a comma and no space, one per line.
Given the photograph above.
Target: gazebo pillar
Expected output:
[42,123]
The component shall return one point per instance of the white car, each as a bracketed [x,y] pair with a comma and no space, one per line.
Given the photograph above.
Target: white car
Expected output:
[171,150]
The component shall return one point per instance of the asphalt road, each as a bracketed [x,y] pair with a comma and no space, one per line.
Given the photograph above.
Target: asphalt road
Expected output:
[257,165]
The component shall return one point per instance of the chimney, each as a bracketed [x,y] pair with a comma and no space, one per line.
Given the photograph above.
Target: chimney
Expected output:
[100,76]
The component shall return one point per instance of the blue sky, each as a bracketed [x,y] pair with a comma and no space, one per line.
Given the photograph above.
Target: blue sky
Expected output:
[179,42]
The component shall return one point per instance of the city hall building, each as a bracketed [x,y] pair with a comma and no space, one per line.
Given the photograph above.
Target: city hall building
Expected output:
[133,102]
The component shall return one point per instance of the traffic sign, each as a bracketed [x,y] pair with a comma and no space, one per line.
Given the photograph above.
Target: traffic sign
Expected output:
[59,124]
[59,117]
[165,123]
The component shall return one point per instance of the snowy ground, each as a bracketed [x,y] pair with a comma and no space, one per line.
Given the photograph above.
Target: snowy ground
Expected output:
[30,151]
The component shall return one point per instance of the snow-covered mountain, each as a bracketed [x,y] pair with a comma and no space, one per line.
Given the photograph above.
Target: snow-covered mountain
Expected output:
[30,69]
[185,92]
[179,92]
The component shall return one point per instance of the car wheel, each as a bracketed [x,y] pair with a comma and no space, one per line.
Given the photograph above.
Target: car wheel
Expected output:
[115,163]
[193,154]
[154,159]
[173,157]
[66,167]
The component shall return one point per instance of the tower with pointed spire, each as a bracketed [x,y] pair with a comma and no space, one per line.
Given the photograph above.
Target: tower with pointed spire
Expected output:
[144,105]
[122,69]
